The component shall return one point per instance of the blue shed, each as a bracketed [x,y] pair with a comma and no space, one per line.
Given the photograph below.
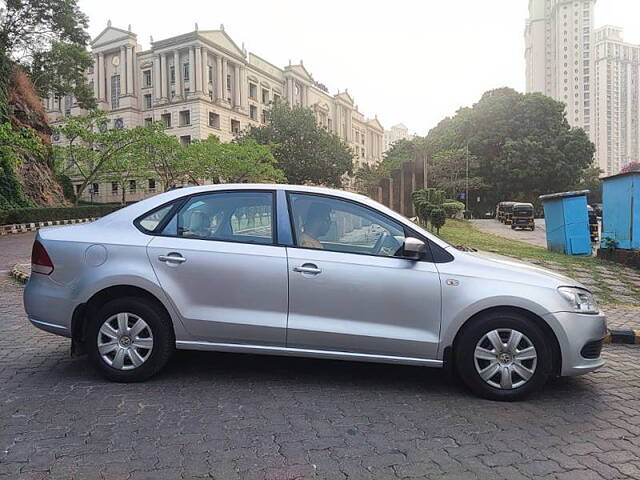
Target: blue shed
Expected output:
[567,222]
[621,210]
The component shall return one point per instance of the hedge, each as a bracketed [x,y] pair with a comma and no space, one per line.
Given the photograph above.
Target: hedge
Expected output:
[44,214]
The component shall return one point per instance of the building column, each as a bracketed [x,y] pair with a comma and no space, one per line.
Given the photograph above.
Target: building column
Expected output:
[306,96]
[218,85]
[96,78]
[157,84]
[130,69]
[204,63]
[192,75]
[225,72]
[101,80]
[123,71]
[198,80]
[244,93]
[236,86]
[178,70]
[163,77]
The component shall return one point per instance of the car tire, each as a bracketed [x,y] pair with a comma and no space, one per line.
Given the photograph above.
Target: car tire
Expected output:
[477,339]
[533,228]
[513,227]
[115,350]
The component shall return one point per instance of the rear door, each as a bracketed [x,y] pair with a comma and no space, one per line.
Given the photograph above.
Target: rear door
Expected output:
[219,263]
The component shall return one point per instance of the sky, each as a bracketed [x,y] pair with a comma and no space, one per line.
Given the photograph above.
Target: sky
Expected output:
[409,61]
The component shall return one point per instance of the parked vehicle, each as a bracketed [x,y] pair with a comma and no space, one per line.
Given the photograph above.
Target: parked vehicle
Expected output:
[507,216]
[503,211]
[593,224]
[309,272]
[523,216]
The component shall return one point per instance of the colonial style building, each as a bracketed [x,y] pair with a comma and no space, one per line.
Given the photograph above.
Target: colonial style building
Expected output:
[202,83]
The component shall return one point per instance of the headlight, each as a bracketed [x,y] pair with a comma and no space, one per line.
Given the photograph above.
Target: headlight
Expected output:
[581,300]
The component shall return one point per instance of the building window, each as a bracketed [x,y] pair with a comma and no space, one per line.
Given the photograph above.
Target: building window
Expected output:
[172,74]
[95,188]
[152,184]
[146,78]
[166,119]
[187,90]
[235,126]
[265,96]
[276,98]
[115,91]
[148,122]
[210,74]
[185,140]
[253,91]
[147,101]
[185,71]
[68,103]
[114,187]
[214,120]
[185,118]
[253,112]
[132,186]
[264,116]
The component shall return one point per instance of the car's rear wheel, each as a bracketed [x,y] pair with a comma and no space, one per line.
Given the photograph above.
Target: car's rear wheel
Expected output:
[130,339]
[503,356]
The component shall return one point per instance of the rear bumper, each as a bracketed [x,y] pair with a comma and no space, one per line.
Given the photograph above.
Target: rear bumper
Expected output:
[576,331]
[49,305]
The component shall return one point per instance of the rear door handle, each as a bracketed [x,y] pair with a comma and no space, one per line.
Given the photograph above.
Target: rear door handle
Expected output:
[172,258]
[308,268]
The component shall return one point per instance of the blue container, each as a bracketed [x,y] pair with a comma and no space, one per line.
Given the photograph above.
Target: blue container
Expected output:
[621,210]
[567,222]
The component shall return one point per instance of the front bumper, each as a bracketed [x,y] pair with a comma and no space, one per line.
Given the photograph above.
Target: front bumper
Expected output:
[574,331]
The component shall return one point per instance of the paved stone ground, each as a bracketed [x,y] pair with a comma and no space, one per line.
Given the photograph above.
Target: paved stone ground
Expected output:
[537,237]
[241,416]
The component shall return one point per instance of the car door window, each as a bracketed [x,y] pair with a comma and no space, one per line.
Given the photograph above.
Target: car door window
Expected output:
[226,216]
[330,224]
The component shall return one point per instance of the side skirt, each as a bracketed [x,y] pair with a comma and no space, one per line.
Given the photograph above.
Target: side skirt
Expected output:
[303,352]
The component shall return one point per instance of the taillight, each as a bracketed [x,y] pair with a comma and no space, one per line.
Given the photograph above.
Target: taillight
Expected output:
[40,261]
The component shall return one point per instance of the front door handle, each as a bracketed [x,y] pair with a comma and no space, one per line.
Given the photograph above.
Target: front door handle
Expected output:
[308,268]
[172,258]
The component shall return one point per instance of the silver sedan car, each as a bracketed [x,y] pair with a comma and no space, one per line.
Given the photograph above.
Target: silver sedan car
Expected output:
[303,271]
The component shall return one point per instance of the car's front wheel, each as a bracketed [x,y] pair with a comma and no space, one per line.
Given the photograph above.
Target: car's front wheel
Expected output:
[503,356]
[130,339]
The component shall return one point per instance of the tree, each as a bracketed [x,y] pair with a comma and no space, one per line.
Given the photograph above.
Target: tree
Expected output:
[14,144]
[162,155]
[47,38]
[449,172]
[306,152]
[590,180]
[89,146]
[242,161]
[523,144]
[122,169]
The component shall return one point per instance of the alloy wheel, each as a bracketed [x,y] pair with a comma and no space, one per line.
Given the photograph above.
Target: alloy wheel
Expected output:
[505,358]
[125,341]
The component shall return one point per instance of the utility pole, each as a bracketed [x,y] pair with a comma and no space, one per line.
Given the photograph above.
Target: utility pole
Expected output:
[466,195]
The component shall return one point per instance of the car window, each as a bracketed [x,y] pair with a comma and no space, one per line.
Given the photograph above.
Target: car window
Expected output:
[227,216]
[152,220]
[331,224]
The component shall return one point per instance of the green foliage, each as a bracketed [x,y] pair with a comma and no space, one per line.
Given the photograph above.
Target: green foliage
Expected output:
[306,152]
[610,243]
[448,171]
[91,149]
[243,161]
[14,144]
[438,218]
[30,215]
[67,187]
[522,144]
[590,180]
[452,208]
[47,38]
[426,202]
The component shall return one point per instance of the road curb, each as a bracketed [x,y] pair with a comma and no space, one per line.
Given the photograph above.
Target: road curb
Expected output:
[624,337]
[32,227]
[18,274]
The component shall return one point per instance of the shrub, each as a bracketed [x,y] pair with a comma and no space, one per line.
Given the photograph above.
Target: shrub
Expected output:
[67,187]
[452,208]
[31,215]
[438,219]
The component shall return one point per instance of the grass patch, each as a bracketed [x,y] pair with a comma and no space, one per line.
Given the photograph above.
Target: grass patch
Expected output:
[611,282]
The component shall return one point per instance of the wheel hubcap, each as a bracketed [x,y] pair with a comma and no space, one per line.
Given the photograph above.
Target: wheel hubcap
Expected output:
[125,341]
[505,358]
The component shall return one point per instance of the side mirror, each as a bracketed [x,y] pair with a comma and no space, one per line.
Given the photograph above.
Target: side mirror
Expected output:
[413,248]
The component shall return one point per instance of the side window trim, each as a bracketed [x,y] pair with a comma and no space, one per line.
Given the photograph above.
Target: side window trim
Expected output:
[180,202]
[401,226]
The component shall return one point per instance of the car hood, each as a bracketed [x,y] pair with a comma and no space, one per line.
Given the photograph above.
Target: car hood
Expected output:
[504,268]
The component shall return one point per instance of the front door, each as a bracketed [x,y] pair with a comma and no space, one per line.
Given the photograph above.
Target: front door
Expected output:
[350,291]
[218,263]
